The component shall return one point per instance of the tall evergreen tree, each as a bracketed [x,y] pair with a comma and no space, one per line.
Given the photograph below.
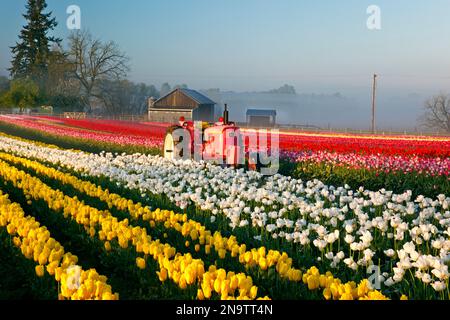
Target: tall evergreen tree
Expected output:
[31,53]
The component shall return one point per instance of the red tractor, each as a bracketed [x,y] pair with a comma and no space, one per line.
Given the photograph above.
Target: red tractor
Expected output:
[222,143]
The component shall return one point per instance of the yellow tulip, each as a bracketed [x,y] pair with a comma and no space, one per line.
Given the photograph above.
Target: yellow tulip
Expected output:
[225,287]
[140,262]
[313,282]
[234,283]
[322,281]
[222,253]
[217,285]
[263,263]
[346,296]
[362,288]
[39,270]
[283,269]
[327,293]
[107,296]
[262,251]
[51,267]
[162,274]
[182,282]
[42,258]
[16,241]
[253,292]
[194,235]
[206,291]
[248,257]
[200,295]
[176,277]
[190,276]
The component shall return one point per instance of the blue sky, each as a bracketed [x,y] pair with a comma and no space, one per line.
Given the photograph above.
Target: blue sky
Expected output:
[319,46]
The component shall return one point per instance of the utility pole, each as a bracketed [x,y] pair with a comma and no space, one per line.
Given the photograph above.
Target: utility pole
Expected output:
[374,94]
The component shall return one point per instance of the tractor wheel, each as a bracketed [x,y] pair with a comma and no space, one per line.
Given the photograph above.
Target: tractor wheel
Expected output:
[170,150]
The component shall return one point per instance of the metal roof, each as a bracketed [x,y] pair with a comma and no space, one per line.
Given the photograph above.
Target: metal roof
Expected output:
[261,112]
[197,96]
[194,95]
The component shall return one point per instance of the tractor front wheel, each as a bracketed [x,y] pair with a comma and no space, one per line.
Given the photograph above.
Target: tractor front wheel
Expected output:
[254,162]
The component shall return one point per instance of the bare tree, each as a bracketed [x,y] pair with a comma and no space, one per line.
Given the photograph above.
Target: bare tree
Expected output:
[437,114]
[125,96]
[93,62]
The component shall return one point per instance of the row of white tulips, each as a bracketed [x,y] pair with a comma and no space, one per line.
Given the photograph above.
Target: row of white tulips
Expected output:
[345,227]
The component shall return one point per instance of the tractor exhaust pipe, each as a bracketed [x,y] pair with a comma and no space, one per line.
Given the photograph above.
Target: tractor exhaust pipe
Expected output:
[225,115]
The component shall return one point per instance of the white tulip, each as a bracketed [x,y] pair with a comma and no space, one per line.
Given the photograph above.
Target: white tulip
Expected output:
[439,286]
[390,253]
[340,255]
[349,239]
[426,278]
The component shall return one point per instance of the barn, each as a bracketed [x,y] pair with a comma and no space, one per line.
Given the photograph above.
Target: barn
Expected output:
[187,103]
[261,117]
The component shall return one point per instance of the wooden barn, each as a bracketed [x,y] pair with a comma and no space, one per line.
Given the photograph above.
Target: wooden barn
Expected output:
[187,103]
[261,117]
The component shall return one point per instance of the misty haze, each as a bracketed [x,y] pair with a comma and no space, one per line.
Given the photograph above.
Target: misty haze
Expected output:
[328,110]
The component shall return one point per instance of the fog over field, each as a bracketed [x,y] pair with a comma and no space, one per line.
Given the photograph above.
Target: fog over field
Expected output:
[394,111]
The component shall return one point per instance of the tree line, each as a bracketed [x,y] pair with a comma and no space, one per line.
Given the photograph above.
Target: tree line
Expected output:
[88,75]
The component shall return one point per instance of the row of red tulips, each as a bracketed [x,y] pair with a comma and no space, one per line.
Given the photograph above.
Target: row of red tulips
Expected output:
[142,129]
[94,132]
[388,145]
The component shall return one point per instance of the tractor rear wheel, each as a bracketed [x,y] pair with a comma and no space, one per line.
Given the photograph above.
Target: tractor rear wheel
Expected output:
[171,148]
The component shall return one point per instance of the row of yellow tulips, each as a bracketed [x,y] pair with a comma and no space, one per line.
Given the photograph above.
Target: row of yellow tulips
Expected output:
[36,243]
[332,287]
[182,269]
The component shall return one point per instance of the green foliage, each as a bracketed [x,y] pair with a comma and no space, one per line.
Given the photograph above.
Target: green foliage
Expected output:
[23,93]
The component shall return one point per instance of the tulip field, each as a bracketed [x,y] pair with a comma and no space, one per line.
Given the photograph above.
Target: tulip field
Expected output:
[90,210]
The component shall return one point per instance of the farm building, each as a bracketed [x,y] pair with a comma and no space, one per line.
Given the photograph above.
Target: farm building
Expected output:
[186,103]
[261,118]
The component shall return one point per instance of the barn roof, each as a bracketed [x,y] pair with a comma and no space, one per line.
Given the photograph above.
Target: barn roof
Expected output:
[197,96]
[261,112]
[194,95]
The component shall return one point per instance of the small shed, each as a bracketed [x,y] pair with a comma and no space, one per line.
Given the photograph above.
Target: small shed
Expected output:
[187,103]
[261,117]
